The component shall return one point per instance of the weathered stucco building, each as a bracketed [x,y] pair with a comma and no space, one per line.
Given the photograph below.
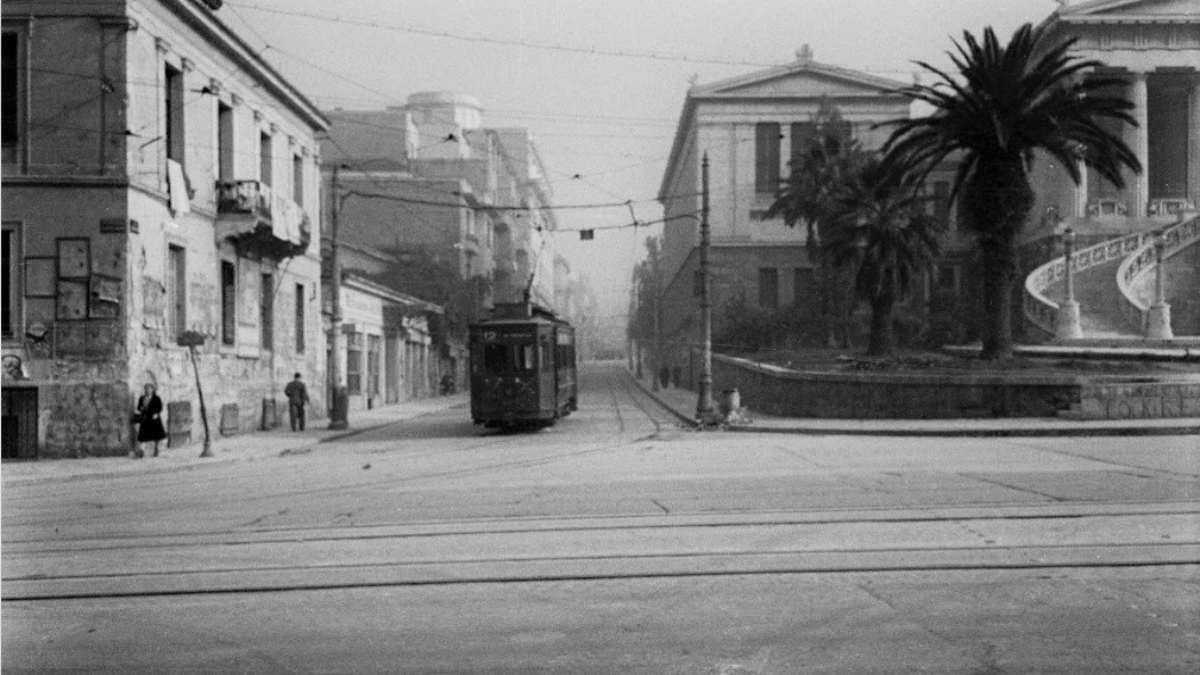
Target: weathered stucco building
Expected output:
[159,178]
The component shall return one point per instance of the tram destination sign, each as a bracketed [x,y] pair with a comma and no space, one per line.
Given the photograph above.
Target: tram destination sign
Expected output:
[508,333]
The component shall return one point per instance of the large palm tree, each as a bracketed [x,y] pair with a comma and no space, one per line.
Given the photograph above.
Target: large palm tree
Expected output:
[1007,102]
[883,230]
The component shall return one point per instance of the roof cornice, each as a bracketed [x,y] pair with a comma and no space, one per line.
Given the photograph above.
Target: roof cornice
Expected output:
[797,68]
[714,92]
[203,19]
[1095,11]
[1131,18]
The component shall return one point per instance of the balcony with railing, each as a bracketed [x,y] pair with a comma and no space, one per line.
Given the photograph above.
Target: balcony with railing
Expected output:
[259,221]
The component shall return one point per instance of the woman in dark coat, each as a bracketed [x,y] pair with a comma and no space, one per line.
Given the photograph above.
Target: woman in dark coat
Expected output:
[149,417]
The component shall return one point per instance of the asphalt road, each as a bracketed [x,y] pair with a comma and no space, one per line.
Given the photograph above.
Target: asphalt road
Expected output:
[618,542]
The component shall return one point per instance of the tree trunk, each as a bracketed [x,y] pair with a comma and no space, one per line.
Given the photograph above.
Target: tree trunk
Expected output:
[996,203]
[999,274]
[883,339]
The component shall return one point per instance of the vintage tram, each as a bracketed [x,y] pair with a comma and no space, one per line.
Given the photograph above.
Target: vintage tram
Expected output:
[522,363]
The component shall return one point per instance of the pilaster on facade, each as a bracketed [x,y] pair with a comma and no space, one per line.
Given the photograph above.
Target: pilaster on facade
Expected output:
[1140,140]
[1194,140]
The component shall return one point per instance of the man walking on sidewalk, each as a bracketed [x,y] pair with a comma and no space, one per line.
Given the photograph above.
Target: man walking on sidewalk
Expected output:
[297,395]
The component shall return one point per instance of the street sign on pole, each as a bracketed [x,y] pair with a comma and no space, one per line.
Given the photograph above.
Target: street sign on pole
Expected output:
[192,339]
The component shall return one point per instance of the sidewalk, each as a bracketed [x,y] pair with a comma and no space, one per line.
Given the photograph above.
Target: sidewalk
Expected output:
[682,403]
[241,447]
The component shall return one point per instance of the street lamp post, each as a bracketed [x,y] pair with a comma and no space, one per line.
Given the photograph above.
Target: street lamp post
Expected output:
[656,290]
[1067,324]
[1158,321]
[704,402]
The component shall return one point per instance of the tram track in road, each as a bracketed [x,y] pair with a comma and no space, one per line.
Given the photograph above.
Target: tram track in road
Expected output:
[931,513]
[598,567]
[1120,535]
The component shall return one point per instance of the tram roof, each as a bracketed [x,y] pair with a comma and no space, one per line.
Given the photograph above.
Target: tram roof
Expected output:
[511,312]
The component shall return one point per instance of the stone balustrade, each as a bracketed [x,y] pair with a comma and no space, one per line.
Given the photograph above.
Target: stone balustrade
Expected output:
[1143,261]
[1040,310]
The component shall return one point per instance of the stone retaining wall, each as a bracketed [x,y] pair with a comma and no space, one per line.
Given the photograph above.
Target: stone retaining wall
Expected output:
[780,391]
[1100,400]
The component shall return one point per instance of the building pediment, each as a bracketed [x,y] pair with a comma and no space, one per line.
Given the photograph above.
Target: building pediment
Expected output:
[801,79]
[1130,10]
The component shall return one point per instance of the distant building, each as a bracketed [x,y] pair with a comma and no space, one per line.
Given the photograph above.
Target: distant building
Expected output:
[390,356]
[159,178]
[426,184]
[505,199]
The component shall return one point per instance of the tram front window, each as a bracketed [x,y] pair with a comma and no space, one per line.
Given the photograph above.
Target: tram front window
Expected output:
[504,358]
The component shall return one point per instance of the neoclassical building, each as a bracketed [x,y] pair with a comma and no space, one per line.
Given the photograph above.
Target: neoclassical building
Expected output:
[1154,46]
[750,127]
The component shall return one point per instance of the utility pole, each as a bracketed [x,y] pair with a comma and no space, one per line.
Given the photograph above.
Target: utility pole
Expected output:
[339,399]
[655,374]
[704,403]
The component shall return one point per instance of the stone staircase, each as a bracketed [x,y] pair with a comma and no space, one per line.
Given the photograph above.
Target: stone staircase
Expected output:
[1099,296]
[1110,280]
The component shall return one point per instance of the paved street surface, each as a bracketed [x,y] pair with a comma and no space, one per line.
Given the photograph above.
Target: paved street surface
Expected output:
[616,541]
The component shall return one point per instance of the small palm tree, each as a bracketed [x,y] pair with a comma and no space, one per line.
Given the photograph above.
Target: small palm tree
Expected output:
[883,230]
[1008,102]
[808,198]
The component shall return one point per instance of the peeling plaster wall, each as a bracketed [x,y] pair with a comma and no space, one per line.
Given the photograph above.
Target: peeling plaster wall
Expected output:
[242,373]
[84,419]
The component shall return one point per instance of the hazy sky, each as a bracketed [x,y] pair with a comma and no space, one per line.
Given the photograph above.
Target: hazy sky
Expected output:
[605,117]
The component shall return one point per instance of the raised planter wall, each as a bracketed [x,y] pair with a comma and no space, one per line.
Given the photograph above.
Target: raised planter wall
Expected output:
[1126,400]
[780,391]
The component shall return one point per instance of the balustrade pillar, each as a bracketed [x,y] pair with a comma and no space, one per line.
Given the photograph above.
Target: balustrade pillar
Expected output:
[1067,325]
[1158,319]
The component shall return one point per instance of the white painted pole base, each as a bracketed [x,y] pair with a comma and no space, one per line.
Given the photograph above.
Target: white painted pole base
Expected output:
[1066,323]
[1158,322]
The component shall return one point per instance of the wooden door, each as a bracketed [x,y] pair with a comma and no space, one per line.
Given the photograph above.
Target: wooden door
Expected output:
[19,422]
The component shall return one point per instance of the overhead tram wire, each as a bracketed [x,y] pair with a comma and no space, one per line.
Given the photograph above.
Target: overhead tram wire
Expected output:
[379,25]
[526,44]
[579,176]
[430,202]
[566,176]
